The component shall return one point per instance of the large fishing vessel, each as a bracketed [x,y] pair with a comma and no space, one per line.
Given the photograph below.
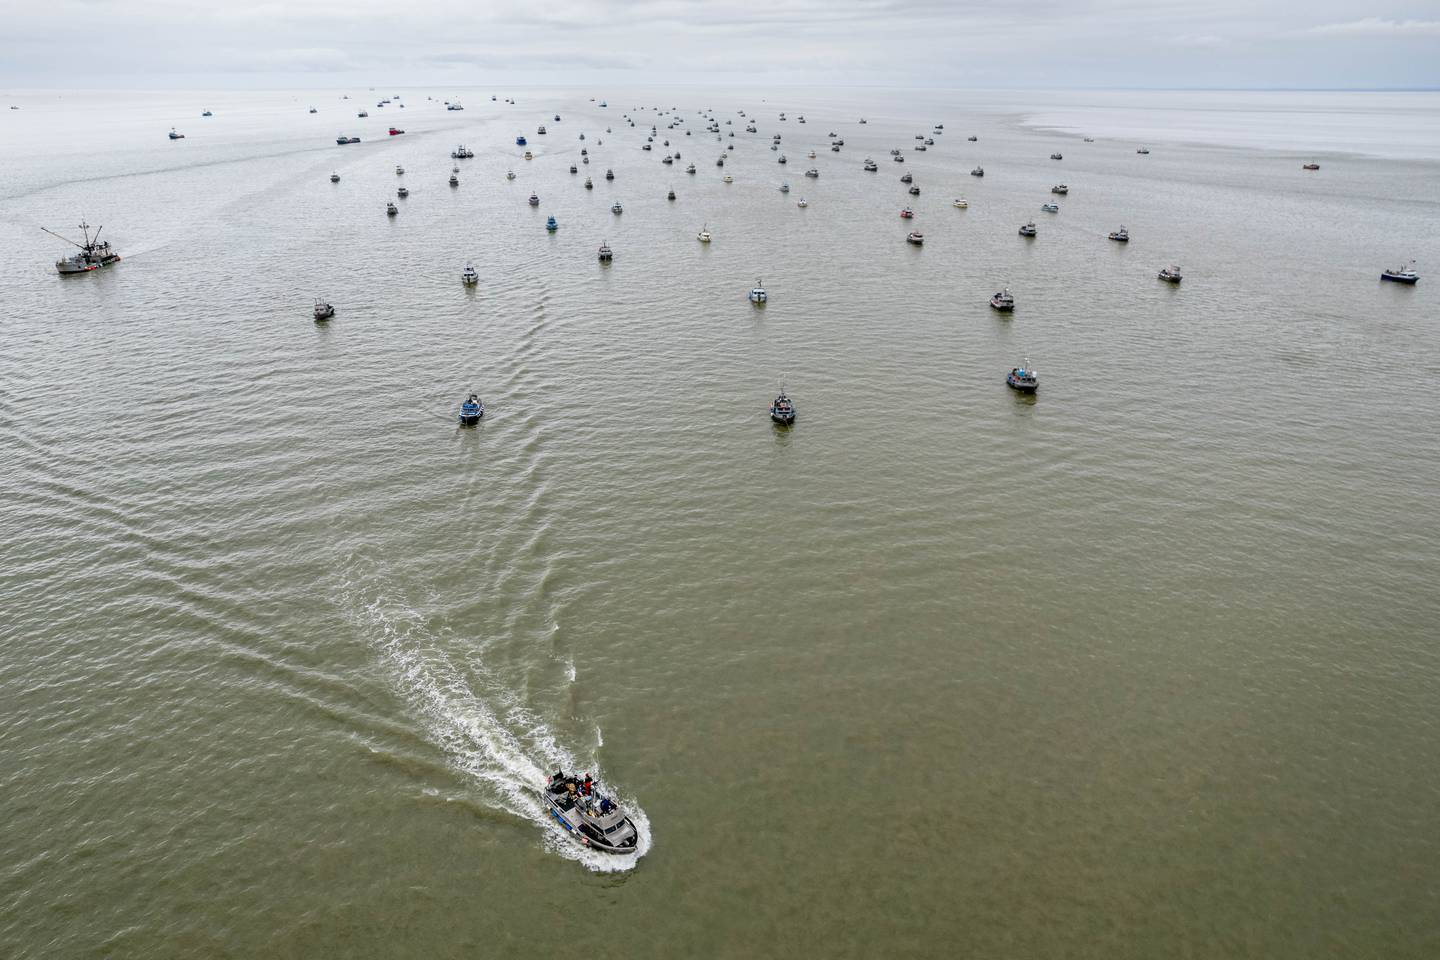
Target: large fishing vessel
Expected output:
[92,256]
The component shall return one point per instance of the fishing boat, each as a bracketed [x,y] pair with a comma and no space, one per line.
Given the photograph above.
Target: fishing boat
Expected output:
[758,294]
[1405,274]
[1310,166]
[605,254]
[907,214]
[334,178]
[616,207]
[972,138]
[1170,274]
[906,178]
[551,224]
[1003,301]
[520,141]
[898,158]
[802,202]
[1023,378]
[782,409]
[914,191]
[812,173]
[690,168]
[471,410]
[396,131]
[342,139]
[670,195]
[978,172]
[469,276]
[461,152]
[1121,236]
[609,174]
[313,110]
[704,235]
[960,202]
[871,165]
[781,159]
[207,113]
[323,309]
[176,136]
[915,237]
[1050,207]
[529,155]
[390,208]
[589,184]
[727,179]
[1143,150]
[590,818]
[403,192]
[1028,230]
[540,130]
[1060,189]
[1056,156]
[454,179]
[784,188]
[534,200]
[399,171]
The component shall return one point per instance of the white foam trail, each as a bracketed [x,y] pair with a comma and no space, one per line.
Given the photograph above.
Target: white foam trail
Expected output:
[486,734]
[570,670]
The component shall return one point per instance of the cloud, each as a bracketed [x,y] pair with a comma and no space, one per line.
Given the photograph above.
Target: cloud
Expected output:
[1377,27]
[1200,40]
[920,42]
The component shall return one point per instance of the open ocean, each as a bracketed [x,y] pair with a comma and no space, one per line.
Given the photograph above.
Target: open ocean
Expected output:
[1143,665]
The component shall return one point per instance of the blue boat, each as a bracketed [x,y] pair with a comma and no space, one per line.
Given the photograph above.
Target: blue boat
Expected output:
[519,141]
[551,225]
[471,410]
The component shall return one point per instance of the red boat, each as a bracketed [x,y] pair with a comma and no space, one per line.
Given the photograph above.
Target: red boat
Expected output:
[907,213]
[395,131]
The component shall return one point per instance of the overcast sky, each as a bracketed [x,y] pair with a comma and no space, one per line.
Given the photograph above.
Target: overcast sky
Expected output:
[1039,43]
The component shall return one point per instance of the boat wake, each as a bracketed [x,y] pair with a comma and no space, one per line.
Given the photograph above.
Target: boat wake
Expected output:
[486,733]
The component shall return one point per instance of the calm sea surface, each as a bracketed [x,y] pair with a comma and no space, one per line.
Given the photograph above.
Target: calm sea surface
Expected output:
[1146,665]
